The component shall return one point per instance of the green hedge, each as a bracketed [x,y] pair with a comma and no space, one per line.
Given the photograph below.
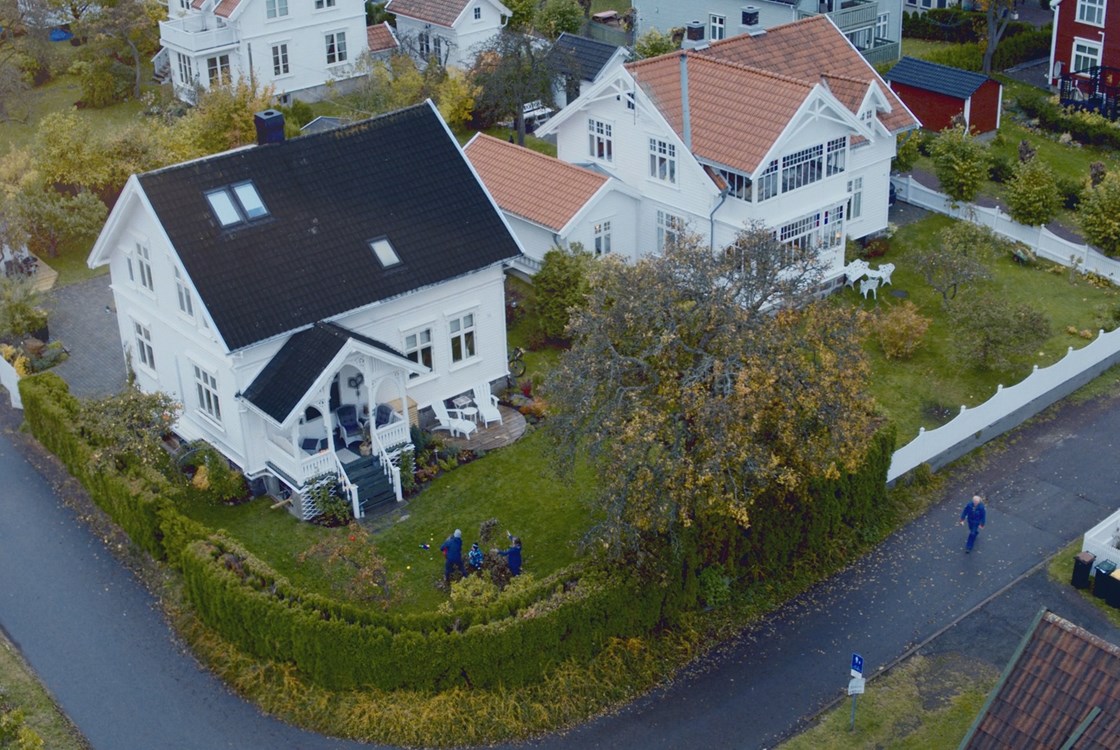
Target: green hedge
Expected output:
[1091,131]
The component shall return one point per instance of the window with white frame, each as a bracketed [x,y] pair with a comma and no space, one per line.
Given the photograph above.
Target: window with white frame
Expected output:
[321,4]
[217,68]
[738,185]
[424,44]
[477,13]
[1086,55]
[276,8]
[768,182]
[802,168]
[280,60]
[144,353]
[836,152]
[336,47]
[882,24]
[461,330]
[818,229]
[717,27]
[867,116]
[855,198]
[418,348]
[186,69]
[186,304]
[1091,12]
[206,387]
[599,140]
[144,266]
[663,161]
[602,232]
[669,228]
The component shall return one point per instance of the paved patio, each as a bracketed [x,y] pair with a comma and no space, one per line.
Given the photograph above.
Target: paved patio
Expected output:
[83,318]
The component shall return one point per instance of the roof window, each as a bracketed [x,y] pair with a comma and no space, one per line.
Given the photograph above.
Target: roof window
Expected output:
[236,204]
[385,253]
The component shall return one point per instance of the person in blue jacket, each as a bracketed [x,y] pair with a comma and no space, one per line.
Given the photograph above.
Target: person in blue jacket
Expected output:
[513,556]
[453,555]
[975,515]
[474,558]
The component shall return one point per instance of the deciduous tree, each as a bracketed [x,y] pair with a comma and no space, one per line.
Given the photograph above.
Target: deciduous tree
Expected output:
[510,71]
[559,16]
[1100,214]
[992,334]
[960,162]
[958,258]
[1032,195]
[561,287]
[698,380]
[997,15]
[125,429]
[50,218]
[653,43]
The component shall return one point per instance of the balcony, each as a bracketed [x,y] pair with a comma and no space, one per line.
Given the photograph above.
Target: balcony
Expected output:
[847,14]
[884,51]
[196,33]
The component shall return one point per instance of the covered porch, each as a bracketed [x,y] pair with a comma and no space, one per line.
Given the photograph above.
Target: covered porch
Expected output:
[1096,89]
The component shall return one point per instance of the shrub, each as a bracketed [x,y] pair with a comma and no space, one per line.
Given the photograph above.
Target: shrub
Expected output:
[715,586]
[961,163]
[1001,169]
[993,334]
[1033,197]
[1070,192]
[1100,215]
[560,286]
[900,330]
[20,313]
[907,153]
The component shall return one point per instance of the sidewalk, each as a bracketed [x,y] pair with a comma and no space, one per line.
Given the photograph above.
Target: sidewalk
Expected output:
[918,589]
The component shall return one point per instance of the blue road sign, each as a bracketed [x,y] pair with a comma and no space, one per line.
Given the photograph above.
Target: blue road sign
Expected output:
[857,665]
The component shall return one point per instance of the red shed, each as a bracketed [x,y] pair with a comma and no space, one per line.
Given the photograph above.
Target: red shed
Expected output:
[938,93]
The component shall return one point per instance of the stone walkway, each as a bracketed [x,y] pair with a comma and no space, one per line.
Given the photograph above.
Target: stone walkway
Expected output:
[83,317]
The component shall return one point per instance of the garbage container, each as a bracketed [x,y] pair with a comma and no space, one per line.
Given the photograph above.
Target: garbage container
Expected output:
[1112,595]
[1083,569]
[1103,583]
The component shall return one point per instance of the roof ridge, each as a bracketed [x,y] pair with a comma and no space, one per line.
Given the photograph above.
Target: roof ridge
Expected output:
[699,56]
[850,79]
[537,155]
[941,65]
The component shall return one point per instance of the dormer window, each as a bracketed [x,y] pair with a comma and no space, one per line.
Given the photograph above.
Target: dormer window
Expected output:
[384,252]
[867,116]
[236,204]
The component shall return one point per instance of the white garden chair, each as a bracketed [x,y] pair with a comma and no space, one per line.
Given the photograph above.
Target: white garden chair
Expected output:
[487,404]
[855,271]
[869,286]
[452,421]
[885,270]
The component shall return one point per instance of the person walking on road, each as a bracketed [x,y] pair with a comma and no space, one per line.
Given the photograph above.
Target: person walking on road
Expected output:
[975,515]
[453,553]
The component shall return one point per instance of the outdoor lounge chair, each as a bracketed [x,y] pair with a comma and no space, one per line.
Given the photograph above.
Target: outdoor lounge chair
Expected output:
[452,421]
[348,423]
[487,404]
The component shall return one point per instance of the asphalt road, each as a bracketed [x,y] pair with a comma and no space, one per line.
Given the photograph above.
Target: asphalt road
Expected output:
[94,635]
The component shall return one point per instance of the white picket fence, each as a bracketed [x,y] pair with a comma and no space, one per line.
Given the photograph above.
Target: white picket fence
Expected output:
[1041,240]
[10,380]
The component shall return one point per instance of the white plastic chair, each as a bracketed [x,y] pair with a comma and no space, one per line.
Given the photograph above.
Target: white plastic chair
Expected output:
[885,271]
[855,271]
[452,421]
[869,286]
[487,404]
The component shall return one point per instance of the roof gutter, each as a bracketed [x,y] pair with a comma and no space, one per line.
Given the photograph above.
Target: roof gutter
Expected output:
[686,120]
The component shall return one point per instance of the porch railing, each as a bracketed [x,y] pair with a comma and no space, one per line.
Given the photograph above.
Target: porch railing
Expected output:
[196,33]
[850,15]
[1096,89]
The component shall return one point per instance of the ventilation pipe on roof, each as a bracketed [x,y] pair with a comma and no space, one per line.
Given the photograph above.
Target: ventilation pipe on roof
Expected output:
[270,126]
[686,119]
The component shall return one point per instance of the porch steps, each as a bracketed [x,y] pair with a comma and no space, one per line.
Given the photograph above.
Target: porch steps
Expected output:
[374,488]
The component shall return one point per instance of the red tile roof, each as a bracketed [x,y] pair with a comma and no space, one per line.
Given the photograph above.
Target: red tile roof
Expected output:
[530,185]
[807,50]
[440,12]
[380,37]
[1061,675]
[222,8]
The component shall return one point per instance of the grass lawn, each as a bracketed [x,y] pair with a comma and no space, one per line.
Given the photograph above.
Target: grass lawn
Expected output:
[927,702]
[513,485]
[921,48]
[20,688]
[924,390]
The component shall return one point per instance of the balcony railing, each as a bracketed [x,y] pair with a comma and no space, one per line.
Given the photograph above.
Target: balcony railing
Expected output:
[883,51]
[196,33]
[848,15]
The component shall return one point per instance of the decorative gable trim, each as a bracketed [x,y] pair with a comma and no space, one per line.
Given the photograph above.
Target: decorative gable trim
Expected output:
[820,104]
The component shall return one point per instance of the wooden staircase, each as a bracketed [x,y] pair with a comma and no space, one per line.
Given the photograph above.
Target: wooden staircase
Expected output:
[375,489]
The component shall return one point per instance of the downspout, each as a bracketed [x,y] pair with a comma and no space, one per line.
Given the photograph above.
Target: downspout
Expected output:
[1052,77]
[723,193]
[686,120]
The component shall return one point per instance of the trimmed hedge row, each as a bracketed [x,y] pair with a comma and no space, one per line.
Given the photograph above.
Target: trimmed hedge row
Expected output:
[1087,129]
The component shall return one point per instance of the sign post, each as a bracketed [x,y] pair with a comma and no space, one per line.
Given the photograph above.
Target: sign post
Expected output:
[855,687]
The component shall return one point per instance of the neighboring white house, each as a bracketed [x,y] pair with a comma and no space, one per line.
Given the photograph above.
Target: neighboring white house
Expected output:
[450,31]
[550,203]
[581,62]
[791,128]
[873,26]
[283,291]
[295,47]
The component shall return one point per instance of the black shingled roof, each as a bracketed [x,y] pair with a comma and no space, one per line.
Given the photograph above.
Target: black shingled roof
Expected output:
[400,176]
[940,79]
[283,382]
[577,55]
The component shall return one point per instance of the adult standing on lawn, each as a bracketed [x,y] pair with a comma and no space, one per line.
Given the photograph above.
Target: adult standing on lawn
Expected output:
[513,556]
[975,514]
[453,555]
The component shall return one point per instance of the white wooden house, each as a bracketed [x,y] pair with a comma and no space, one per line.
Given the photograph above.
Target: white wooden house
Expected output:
[284,291]
[790,127]
[295,47]
[450,31]
[550,203]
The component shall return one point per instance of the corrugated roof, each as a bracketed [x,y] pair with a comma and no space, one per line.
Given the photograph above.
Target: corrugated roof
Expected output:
[530,185]
[806,50]
[736,112]
[1063,672]
[400,176]
[440,12]
[941,79]
[380,37]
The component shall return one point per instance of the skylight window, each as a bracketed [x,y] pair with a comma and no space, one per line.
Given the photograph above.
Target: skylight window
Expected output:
[385,253]
[236,204]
